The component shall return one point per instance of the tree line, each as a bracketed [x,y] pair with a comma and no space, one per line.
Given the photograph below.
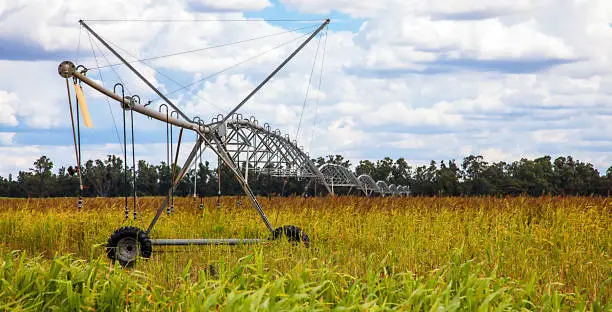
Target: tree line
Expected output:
[472,176]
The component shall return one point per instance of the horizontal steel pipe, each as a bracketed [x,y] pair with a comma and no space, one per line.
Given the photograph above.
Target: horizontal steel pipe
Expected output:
[206,241]
[141,108]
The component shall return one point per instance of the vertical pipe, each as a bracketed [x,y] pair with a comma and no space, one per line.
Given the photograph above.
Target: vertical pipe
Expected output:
[76,151]
[133,164]
[246,167]
[80,201]
[239,203]
[269,176]
[171,164]
[125,177]
[195,180]
[219,182]
[167,150]
[203,181]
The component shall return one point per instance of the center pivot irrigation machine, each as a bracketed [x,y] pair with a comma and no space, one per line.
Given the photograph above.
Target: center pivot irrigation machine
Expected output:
[127,243]
[230,137]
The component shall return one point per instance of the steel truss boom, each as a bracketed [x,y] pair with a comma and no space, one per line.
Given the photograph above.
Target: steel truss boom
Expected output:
[257,148]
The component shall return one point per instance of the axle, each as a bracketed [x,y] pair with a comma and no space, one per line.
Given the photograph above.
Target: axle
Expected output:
[206,241]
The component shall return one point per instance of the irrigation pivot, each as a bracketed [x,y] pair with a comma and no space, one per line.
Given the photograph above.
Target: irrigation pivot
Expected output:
[128,243]
[242,144]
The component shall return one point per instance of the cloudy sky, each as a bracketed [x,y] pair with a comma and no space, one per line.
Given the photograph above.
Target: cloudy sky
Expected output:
[437,79]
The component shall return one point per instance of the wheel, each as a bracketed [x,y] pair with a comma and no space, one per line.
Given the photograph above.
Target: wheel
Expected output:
[126,244]
[293,233]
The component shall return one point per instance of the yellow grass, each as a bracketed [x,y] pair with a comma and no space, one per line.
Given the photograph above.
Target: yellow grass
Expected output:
[559,244]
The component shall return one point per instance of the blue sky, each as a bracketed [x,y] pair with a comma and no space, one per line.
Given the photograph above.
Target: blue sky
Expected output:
[420,80]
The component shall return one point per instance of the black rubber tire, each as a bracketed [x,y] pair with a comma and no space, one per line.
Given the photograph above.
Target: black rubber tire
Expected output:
[129,234]
[293,234]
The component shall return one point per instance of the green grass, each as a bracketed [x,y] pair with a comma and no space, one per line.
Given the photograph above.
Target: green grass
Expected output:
[367,254]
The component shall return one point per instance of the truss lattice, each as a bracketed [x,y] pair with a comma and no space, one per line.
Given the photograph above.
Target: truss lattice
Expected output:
[257,149]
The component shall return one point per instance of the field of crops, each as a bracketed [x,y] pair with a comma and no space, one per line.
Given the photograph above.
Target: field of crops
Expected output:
[430,254]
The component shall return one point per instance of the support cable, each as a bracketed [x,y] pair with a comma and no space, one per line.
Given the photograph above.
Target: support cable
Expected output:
[166,20]
[314,62]
[136,72]
[161,74]
[79,45]
[314,123]
[187,86]
[110,109]
[124,83]
[231,67]
[272,74]
[143,60]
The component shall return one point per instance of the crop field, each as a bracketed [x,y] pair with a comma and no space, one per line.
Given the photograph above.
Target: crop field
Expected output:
[429,254]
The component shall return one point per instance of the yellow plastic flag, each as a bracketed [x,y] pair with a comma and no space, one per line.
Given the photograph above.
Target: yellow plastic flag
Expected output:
[83,106]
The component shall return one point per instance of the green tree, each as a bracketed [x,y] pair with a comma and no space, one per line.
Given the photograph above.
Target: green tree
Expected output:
[607,182]
[384,170]
[105,178]
[338,160]
[447,179]
[401,172]
[147,181]
[474,182]
[590,181]
[564,171]
[42,172]
[365,167]
[497,178]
